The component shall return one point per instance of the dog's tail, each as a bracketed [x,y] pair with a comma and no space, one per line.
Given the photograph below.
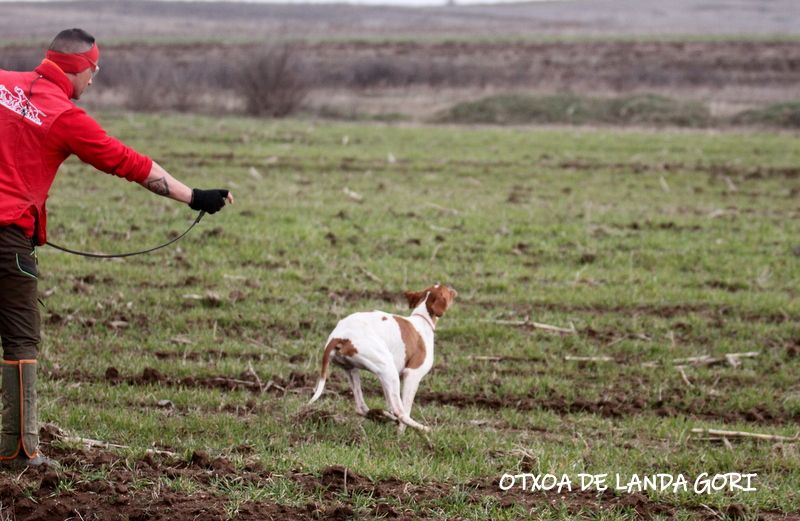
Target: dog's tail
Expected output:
[325,370]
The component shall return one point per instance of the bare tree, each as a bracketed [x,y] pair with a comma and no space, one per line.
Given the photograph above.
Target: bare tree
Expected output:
[272,82]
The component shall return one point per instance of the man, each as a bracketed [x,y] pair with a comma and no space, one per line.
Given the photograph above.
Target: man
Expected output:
[39,128]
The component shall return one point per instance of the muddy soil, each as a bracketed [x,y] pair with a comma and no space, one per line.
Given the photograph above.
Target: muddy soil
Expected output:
[43,495]
[98,484]
[716,312]
[611,406]
[615,406]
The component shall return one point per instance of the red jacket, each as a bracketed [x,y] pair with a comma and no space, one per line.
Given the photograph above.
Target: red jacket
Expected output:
[40,127]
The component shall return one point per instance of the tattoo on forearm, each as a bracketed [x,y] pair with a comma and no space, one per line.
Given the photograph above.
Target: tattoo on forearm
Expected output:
[158,186]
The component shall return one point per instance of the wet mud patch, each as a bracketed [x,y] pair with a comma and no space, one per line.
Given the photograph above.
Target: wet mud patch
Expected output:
[240,408]
[731,287]
[716,312]
[613,407]
[119,503]
[582,502]
[139,489]
[575,502]
[151,376]
[114,321]
[76,493]
[713,169]
[492,370]
[338,481]
[349,295]
[531,310]
[663,225]
[208,355]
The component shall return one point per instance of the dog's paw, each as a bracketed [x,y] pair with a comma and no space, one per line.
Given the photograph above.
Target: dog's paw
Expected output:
[389,416]
[380,415]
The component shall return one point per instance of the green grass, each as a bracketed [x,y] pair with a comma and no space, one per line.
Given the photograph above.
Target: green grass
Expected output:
[656,246]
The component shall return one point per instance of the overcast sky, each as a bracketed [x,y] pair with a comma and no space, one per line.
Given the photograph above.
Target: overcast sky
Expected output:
[363,2]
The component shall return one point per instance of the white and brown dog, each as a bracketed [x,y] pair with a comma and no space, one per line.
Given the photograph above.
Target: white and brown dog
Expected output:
[390,346]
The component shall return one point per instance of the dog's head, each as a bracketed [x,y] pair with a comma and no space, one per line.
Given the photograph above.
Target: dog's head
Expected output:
[439,298]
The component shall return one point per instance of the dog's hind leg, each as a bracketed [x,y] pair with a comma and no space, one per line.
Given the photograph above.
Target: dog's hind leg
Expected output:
[355,384]
[390,381]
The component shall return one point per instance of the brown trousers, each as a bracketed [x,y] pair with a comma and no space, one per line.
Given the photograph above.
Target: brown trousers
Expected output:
[19,312]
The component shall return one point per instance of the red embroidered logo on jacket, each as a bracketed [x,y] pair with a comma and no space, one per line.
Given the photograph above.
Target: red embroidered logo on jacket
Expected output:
[20,104]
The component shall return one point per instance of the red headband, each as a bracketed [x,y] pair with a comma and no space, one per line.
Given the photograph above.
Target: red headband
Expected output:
[77,62]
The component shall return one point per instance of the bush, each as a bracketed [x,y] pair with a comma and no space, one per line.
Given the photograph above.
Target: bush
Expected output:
[571,109]
[779,114]
[657,110]
[144,87]
[520,109]
[267,81]
[272,83]
[152,82]
[376,72]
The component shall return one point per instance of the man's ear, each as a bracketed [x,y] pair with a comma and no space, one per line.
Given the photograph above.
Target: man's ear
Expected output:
[414,298]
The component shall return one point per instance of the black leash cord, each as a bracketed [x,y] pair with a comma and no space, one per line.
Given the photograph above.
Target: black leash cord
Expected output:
[116,255]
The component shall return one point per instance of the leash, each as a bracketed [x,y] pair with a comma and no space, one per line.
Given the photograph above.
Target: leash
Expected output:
[117,255]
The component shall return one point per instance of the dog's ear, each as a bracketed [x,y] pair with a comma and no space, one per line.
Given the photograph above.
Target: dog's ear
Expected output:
[414,298]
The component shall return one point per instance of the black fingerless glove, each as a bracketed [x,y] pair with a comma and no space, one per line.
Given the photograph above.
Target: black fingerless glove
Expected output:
[209,201]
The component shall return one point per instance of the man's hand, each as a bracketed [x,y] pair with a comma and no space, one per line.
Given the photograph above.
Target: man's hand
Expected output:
[210,201]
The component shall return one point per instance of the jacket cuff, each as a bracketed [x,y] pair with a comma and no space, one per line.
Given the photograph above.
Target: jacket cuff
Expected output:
[139,169]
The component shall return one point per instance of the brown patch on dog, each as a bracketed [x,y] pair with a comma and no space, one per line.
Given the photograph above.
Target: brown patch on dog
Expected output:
[415,346]
[342,346]
[346,348]
[440,297]
[384,318]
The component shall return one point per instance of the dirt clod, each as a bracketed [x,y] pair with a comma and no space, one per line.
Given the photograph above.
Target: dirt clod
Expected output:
[49,481]
[150,375]
[736,511]
[341,479]
[201,459]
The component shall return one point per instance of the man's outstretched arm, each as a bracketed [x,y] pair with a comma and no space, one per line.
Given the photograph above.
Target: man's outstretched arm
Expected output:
[78,133]
[160,182]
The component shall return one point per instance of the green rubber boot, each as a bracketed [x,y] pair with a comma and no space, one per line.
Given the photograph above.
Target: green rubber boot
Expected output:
[30,415]
[9,432]
[19,445]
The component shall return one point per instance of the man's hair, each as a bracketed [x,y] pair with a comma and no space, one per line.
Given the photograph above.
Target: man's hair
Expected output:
[72,41]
